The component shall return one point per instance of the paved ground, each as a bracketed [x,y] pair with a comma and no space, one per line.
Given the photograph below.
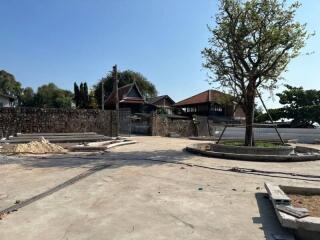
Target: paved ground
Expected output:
[137,198]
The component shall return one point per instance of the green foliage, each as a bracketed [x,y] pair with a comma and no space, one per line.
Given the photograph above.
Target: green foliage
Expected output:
[76,94]
[85,97]
[50,96]
[302,106]
[276,115]
[47,96]
[253,42]
[92,101]
[126,77]
[9,85]
[250,46]
[296,97]
[27,97]
[81,96]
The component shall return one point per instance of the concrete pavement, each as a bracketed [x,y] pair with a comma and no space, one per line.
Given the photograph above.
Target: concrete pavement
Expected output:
[141,199]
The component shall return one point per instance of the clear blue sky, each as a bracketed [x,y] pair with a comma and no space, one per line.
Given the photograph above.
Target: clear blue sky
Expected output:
[63,41]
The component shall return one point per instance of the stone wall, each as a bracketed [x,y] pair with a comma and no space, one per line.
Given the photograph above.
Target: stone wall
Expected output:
[163,126]
[41,120]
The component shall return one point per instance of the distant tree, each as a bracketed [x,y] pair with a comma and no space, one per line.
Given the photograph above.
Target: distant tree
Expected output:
[81,95]
[81,105]
[301,106]
[250,46]
[126,77]
[50,96]
[92,101]
[9,85]
[27,97]
[76,92]
[85,95]
[276,114]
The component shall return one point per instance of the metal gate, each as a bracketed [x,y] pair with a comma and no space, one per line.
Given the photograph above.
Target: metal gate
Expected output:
[124,122]
[202,127]
[141,124]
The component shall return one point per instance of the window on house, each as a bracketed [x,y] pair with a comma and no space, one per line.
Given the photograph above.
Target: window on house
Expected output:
[216,108]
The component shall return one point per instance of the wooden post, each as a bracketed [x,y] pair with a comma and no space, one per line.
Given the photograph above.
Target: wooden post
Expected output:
[116,98]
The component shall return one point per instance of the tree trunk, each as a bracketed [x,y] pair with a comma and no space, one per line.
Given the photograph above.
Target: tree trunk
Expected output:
[249,111]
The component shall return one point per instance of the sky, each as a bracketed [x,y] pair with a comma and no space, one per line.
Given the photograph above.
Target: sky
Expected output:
[71,41]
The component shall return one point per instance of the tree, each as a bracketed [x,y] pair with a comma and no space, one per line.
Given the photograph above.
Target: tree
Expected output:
[9,85]
[251,45]
[76,94]
[27,97]
[302,106]
[276,114]
[92,101]
[85,95]
[81,95]
[126,77]
[50,96]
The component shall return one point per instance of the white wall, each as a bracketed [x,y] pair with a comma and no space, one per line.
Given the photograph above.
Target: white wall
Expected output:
[4,102]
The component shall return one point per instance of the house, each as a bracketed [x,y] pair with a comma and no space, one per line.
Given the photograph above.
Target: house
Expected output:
[130,97]
[163,104]
[216,105]
[6,100]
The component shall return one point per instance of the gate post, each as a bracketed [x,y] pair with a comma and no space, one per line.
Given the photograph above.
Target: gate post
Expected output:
[153,124]
[115,89]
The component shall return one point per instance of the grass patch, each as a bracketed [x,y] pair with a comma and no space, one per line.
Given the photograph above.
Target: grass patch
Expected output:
[257,144]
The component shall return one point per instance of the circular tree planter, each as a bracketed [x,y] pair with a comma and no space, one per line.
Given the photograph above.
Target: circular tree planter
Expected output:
[279,150]
[263,154]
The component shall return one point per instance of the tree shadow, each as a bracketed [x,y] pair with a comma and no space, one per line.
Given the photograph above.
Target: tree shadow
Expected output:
[270,223]
[117,159]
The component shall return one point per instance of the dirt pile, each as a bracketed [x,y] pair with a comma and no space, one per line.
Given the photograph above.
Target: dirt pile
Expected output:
[41,146]
[311,202]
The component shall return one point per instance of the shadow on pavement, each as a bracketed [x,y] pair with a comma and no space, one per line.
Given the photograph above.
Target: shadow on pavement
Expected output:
[269,221]
[135,158]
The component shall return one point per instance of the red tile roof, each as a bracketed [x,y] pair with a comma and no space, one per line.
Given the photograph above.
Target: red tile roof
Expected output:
[204,97]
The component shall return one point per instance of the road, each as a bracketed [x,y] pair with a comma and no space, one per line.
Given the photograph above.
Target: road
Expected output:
[302,135]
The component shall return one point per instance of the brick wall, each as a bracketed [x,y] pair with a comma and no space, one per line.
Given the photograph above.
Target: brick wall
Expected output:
[34,120]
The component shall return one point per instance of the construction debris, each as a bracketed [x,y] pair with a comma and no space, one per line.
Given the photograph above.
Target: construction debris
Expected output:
[120,144]
[296,212]
[38,147]
[56,137]
[100,146]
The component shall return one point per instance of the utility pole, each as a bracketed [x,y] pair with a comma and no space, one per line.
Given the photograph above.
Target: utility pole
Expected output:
[116,97]
[102,95]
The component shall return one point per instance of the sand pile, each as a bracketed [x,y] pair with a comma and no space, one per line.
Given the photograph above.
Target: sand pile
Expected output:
[41,146]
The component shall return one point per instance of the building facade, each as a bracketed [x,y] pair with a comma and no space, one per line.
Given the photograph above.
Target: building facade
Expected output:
[163,104]
[6,101]
[211,103]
